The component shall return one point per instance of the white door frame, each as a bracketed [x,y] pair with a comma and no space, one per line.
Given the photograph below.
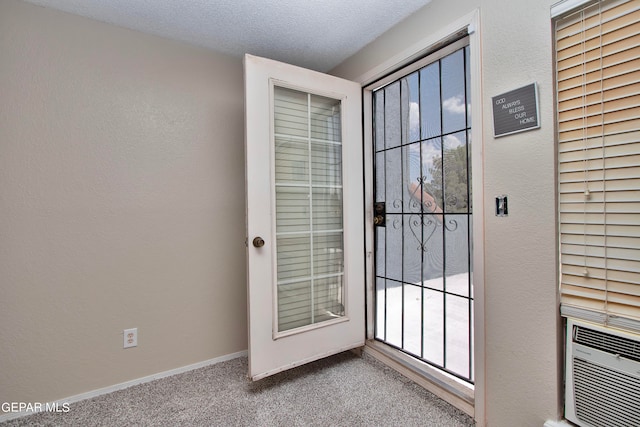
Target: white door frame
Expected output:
[435,381]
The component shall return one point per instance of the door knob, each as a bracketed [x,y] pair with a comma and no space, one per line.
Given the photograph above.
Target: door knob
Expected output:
[258,242]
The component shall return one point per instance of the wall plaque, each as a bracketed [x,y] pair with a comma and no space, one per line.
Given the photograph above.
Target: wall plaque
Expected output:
[516,111]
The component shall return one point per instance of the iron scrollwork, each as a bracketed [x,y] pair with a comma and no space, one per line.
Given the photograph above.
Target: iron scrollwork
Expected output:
[430,219]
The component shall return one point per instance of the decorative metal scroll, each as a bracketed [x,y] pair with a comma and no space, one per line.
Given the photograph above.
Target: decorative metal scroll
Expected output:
[418,222]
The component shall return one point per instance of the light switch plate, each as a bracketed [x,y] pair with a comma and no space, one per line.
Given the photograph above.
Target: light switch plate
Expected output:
[502,208]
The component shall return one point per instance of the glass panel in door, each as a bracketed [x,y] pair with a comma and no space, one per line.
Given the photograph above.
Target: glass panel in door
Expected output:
[308,188]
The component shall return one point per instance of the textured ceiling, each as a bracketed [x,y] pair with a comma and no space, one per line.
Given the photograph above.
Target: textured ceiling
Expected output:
[317,34]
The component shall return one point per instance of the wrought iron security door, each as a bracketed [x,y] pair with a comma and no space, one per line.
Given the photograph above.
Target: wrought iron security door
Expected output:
[424,289]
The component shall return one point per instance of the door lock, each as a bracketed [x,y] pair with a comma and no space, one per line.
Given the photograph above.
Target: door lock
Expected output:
[380,213]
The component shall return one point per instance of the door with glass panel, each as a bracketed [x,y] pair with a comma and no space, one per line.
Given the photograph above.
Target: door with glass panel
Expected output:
[304,215]
[423,241]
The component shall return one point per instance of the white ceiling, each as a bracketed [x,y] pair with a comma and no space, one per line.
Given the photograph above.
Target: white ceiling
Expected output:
[316,34]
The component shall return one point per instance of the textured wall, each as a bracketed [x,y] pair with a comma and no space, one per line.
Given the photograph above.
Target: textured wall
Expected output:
[522,352]
[121,204]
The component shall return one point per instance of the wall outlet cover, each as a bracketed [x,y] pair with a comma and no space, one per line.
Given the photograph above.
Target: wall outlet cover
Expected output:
[131,337]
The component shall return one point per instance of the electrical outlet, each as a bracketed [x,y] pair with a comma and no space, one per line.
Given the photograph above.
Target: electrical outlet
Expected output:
[131,337]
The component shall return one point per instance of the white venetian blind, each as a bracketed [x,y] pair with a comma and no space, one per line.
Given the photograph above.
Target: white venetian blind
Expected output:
[598,83]
[309,232]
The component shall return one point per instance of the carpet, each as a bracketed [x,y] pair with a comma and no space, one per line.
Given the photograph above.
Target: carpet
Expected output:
[342,390]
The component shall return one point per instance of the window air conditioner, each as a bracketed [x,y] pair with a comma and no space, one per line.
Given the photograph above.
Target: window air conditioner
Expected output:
[602,387]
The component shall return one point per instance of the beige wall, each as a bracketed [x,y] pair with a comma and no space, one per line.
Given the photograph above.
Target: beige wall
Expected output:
[121,204]
[521,315]
[121,198]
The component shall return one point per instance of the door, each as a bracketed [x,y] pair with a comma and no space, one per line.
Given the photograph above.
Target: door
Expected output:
[424,298]
[305,226]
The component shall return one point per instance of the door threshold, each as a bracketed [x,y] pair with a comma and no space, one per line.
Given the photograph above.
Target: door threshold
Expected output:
[446,387]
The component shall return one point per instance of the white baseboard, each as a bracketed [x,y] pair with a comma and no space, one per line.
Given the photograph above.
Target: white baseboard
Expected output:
[110,389]
[559,423]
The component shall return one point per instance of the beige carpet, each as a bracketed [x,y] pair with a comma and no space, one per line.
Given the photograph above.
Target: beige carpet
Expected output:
[342,390]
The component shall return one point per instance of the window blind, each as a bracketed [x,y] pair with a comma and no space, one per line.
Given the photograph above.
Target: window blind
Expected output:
[598,113]
[308,193]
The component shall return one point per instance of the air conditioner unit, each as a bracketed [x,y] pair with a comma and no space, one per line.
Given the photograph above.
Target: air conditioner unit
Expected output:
[602,387]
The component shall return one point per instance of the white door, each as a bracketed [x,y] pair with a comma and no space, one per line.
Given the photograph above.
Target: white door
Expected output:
[305,225]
